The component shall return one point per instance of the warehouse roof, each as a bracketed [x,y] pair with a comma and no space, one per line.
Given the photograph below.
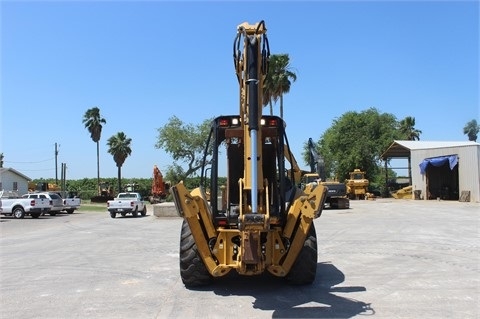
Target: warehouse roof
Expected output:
[402,148]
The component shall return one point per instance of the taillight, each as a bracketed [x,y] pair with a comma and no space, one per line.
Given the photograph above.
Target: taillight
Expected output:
[229,122]
[272,122]
[223,122]
[32,202]
[269,122]
[132,204]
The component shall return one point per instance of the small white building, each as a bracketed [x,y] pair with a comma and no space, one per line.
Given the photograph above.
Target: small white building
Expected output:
[12,180]
[445,170]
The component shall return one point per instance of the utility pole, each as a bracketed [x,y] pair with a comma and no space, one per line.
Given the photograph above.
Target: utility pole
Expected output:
[64,180]
[56,169]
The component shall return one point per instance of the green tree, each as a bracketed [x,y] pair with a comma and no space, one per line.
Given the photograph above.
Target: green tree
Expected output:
[356,140]
[277,81]
[93,123]
[1,160]
[185,143]
[408,130]
[471,129]
[119,147]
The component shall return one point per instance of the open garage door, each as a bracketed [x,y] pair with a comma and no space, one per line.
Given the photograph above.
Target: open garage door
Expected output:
[441,176]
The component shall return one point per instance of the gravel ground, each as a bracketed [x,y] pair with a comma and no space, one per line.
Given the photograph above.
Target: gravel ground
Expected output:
[385,259]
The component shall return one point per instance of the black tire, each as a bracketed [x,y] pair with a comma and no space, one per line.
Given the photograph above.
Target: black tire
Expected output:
[18,212]
[135,212]
[35,215]
[70,211]
[113,214]
[193,271]
[123,214]
[304,269]
[53,213]
[144,211]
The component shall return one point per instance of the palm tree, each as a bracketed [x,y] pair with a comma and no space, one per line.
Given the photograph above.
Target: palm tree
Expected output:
[93,123]
[278,80]
[119,147]
[471,129]
[269,97]
[408,130]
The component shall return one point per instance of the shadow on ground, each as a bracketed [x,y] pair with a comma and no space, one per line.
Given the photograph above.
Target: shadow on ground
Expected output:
[317,300]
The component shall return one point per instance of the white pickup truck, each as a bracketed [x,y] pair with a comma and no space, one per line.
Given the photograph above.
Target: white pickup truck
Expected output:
[127,203]
[71,204]
[60,204]
[18,207]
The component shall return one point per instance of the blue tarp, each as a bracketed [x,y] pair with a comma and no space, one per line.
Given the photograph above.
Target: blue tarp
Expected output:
[438,161]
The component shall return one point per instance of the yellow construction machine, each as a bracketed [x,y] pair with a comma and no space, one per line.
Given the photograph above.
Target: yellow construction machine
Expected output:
[260,221]
[43,187]
[105,193]
[336,191]
[357,185]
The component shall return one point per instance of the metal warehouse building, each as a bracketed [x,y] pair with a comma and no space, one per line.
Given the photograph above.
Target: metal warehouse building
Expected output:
[446,170]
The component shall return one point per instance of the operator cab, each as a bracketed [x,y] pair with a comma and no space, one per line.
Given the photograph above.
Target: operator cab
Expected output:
[227,135]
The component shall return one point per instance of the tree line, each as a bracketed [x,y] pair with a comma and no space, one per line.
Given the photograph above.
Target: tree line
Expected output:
[86,188]
[355,140]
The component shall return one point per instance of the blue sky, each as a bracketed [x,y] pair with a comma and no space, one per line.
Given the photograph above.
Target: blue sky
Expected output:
[144,62]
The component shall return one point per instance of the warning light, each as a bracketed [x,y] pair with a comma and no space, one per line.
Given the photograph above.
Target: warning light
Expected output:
[272,122]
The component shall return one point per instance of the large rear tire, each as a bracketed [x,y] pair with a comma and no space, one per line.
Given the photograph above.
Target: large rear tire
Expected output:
[193,271]
[304,269]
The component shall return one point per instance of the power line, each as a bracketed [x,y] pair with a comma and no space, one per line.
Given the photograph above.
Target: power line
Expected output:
[38,170]
[15,162]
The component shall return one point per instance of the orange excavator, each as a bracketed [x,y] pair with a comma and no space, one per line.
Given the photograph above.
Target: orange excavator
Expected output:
[159,187]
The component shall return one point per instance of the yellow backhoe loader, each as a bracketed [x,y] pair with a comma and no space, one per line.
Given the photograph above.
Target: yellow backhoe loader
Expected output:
[260,221]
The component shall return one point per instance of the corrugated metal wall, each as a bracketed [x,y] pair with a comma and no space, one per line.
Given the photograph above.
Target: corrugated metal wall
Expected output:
[468,168]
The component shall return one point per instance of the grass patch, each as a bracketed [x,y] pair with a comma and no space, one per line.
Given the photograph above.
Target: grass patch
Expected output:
[96,207]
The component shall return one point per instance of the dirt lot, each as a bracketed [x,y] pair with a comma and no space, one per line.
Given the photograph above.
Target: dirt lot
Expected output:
[385,259]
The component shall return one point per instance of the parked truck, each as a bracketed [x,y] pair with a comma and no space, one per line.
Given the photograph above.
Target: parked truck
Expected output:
[18,207]
[127,203]
[71,204]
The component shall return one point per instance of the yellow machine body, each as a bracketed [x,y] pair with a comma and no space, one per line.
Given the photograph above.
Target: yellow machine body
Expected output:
[261,221]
